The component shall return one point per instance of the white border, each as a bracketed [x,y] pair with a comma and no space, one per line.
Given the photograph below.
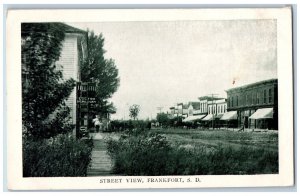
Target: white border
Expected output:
[285,91]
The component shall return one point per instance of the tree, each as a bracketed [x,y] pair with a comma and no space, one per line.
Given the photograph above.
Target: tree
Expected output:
[134,111]
[162,118]
[101,71]
[44,112]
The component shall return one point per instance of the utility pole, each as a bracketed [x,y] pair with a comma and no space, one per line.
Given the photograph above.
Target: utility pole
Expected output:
[212,108]
[160,108]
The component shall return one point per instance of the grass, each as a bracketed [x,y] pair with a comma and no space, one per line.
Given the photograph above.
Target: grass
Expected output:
[213,137]
[192,152]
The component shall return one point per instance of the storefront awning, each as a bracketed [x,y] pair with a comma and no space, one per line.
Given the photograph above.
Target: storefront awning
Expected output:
[197,112]
[208,117]
[193,118]
[232,115]
[262,113]
[219,116]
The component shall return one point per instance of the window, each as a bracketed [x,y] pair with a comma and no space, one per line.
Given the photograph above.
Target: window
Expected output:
[231,101]
[257,98]
[265,96]
[246,101]
[270,95]
[253,98]
[237,101]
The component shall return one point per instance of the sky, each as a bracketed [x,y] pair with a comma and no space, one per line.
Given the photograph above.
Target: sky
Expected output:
[164,63]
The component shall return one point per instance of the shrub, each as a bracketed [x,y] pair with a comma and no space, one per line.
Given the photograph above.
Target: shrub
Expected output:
[117,125]
[62,155]
[142,153]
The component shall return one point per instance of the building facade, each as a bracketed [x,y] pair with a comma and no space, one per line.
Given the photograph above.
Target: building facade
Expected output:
[217,107]
[212,108]
[74,50]
[193,108]
[256,104]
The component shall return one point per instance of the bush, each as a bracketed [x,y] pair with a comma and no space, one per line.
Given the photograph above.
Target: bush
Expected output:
[142,153]
[62,155]
[118,125]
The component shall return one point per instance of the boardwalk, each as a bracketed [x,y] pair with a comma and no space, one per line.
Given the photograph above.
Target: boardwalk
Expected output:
[101,163]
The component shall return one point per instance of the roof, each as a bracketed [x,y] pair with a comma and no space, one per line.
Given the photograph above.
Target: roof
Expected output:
[254,84]
[196,105]
[70,29]
[59,25]
[209,98]
[185,106]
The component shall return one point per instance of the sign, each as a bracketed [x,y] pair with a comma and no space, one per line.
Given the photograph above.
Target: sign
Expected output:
[86,100]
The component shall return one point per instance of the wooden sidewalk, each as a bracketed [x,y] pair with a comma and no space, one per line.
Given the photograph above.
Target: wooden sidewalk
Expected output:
[101,163]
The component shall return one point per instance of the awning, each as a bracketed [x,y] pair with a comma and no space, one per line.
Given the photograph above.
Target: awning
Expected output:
[193,118]
[232,115]
[219,116]
[208,117]
[197,112]
[262,113]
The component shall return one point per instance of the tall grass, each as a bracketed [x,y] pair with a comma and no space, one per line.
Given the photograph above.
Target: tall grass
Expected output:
[152,154]
[56,157]
[220,134]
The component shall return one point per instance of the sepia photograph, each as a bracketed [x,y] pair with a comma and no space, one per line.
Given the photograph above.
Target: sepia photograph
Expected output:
[155,99]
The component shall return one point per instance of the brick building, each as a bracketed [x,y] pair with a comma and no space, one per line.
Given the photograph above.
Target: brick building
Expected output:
[256,104]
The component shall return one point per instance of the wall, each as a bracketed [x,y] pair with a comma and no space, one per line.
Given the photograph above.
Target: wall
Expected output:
[69,61]
[247,99]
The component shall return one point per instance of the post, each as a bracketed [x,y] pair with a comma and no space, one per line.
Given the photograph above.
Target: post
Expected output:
[212,95]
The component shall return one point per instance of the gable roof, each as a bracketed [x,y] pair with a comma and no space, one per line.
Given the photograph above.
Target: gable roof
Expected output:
[195,105]
[185,106]
[44,27]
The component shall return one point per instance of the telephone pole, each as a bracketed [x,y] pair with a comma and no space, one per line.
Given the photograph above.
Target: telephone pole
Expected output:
[160,108]
[213,95]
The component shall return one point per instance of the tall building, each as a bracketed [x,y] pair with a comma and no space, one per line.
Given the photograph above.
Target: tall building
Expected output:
[256,104]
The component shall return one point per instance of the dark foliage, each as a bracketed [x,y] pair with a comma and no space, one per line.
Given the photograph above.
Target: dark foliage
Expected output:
[56,157]
[134,111]
[44,91]
[140,153]
[123,125]
[144,153]
[103,72]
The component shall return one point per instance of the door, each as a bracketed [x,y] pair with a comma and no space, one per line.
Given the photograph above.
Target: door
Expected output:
[246,122]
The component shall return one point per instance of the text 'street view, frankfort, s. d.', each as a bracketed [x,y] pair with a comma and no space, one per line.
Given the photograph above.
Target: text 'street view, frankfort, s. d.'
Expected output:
[159,98]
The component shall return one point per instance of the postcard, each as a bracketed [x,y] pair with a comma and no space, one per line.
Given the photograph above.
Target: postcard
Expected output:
[149,98]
